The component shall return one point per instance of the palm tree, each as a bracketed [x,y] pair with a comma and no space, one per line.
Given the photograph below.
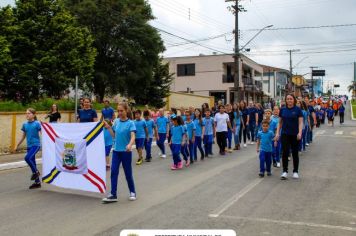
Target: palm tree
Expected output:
[352,86]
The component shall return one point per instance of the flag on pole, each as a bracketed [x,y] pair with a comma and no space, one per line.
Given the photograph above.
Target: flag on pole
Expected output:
[73,156]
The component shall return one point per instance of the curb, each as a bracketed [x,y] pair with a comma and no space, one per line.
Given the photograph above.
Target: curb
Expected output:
[22,164]
[352,117]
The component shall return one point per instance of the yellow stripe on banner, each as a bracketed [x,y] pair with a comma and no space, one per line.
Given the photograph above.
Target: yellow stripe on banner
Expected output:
[51,177]
[13,132]
[94,131]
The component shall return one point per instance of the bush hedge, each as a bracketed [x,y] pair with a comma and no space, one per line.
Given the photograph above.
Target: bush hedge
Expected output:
[43,105]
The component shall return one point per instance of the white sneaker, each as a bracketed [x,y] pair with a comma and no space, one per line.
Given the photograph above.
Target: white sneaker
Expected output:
[278,165]
[295,175]
[245,145]
[307,144]
[164,156]
[252,143]
[284,176]
[132,197]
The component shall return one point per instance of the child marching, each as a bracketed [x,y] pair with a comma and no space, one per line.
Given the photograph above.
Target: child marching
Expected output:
[152,130]
[177,142]
[209,133]
[141,135]
[199,131]
[31,131]
[264,147]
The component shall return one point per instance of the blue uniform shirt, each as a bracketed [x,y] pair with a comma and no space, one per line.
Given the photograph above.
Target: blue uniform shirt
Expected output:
[208,123]
[150,127]
[198,127]
[87,115]
[305,118]
[273,125]
[108,113]
[31,129]
[177,134]
[330,113]
[290,118]
[107,137]
[190,127]
[123,131]
[252,113]
[244,114]
[266,139]
[162,122]
[140,128]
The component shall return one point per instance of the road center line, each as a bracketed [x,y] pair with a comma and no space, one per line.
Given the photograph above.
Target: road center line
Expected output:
[285,222]
[235,198]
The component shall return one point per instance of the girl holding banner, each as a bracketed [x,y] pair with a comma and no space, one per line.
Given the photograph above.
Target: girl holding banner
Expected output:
[123,131]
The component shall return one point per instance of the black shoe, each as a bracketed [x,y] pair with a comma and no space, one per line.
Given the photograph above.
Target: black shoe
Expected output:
[109,199]
[191,161]
[269,173]
[274,164]
[148,159]
[261,175]
[35,185]
[206,155]
[202,157]
[35,175]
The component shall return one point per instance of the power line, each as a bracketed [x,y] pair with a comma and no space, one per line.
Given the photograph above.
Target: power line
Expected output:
[188,40]
[307,27]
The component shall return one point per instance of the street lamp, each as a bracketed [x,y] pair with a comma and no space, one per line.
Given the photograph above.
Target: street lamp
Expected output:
[260,31]
[237,57]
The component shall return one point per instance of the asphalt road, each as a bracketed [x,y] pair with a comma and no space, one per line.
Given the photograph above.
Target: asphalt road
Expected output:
[218,193]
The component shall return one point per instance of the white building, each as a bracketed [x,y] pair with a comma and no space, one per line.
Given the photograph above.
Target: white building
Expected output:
[213,75]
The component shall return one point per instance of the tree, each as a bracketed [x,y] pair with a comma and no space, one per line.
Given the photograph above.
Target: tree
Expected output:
[48,49]
[352,86]
[158,89]
[128,47]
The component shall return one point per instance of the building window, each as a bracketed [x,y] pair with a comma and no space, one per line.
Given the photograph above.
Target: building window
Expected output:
[186,70]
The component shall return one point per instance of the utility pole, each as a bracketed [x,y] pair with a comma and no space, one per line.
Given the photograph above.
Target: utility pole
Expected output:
[291,65]
[236,9]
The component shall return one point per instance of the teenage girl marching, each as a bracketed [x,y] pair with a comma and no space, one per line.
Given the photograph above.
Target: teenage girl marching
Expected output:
[199,131]
[31,131]
[123,131]
[191,135]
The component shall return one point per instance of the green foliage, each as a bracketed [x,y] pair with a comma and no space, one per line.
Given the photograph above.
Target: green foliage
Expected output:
[159,87]
[47,50]
[128,47]
[45,105]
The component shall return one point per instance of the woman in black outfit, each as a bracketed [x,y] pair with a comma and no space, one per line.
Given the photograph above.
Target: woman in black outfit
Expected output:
[54,116]
[291,127]
[244,126]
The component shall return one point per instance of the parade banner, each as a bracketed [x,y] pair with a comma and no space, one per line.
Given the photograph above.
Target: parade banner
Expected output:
[73,156]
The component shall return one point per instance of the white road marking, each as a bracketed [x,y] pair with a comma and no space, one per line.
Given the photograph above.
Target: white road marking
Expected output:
[340,132]
[286,222]
[342,213]
[319,132]
[339,136]
[235,198]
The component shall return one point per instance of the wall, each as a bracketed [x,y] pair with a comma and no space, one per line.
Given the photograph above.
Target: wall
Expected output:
[186,100]
[11,123]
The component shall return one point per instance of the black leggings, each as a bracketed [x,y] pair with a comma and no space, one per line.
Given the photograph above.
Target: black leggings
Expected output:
[245,132]
[290,142]
[341,117]
[221,140]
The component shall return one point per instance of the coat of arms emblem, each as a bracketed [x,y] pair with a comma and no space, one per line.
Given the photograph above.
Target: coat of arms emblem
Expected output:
[69,157]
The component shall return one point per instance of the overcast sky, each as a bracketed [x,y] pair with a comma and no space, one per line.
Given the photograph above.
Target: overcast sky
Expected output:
[329,48]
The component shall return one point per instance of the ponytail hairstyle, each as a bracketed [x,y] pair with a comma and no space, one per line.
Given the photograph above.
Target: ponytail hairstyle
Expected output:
[200,117]
[33,112]
[180,120]
[127,109]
